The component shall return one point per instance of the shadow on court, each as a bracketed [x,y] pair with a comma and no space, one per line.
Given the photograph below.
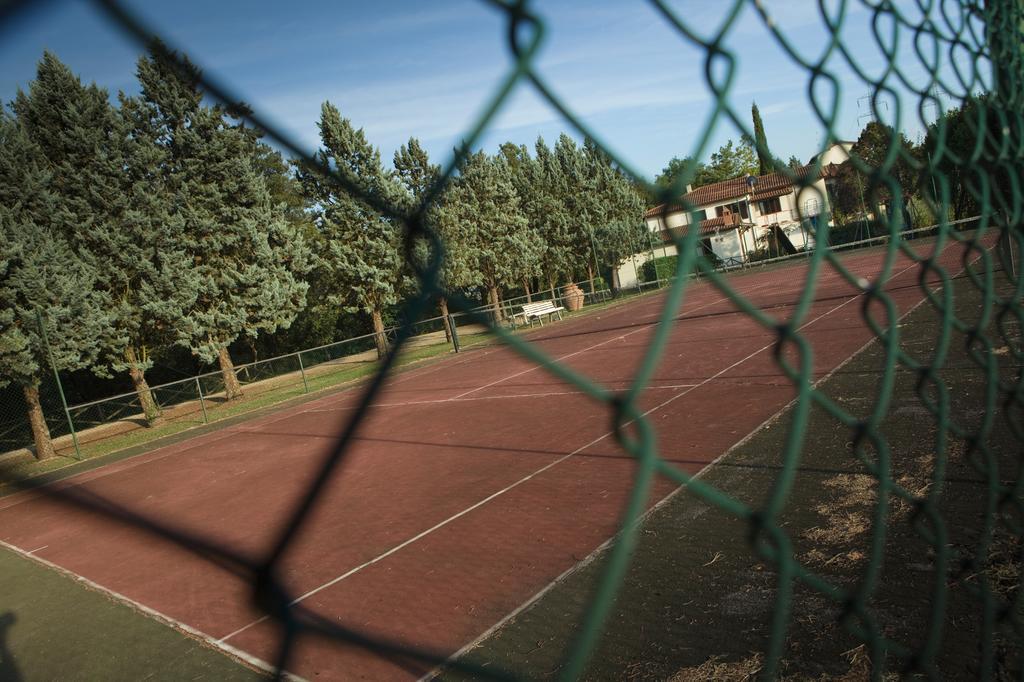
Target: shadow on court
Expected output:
[9,671]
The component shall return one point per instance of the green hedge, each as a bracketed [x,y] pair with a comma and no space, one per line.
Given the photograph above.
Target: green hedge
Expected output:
[659,268]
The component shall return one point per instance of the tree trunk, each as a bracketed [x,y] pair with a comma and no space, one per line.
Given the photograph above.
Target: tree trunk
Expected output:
[526,285]
[590,274]
[495,300]
[149,407]
[551,283]
[232,389]
[379,338]
[40,431]
[442,302]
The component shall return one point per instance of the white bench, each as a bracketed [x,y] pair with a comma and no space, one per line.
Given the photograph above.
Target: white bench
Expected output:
[537,311]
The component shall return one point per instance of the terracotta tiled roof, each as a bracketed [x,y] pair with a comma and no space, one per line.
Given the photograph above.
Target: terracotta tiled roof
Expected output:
[765,187]
[771,193]
[728,219]
[718,191]
[657,210]
[830,171]
[709,226]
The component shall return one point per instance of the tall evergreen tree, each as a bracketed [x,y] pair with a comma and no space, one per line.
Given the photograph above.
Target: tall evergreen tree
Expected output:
[484,207]
[40,275]
[548,208]
[528,179]
[114,210]
[765,164]
[581,200]
[246,258]
[360,250]
[618,207]
[417,176]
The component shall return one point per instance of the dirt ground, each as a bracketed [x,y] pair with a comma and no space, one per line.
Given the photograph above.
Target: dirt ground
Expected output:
[937,577]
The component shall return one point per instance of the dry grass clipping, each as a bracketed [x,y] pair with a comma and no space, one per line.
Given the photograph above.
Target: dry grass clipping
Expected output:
[714,670]
[846,520]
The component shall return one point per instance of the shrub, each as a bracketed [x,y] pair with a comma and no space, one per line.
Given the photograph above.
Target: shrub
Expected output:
[659,268]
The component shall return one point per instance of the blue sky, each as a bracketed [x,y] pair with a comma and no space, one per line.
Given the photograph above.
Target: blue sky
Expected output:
[400,68]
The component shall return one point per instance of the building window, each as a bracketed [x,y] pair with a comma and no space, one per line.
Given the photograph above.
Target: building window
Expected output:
[770,206]
[739,207]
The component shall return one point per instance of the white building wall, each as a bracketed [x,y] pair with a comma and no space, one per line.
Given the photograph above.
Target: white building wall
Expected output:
[627,275]
[726,245]
[808,202]
[837,153]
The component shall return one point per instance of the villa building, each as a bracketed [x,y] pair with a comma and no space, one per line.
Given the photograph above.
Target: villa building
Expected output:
[739,220]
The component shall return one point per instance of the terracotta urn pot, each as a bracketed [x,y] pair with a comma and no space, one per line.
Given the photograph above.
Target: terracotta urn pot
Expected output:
[572,297]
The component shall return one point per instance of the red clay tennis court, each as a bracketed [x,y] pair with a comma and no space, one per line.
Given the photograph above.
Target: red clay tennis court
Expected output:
[475,482]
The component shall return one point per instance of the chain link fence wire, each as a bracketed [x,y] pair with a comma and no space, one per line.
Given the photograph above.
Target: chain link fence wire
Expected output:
[981,43]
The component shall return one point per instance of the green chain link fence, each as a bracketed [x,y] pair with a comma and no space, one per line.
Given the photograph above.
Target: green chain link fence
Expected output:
[984,39]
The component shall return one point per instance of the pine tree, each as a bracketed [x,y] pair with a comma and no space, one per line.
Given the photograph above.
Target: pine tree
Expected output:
[601,207]
[765,164]
[114,212]
[247,259]
[417,175]
[618,209]
[527,178]
[361,254]
[549,209]
[40,276]
[581,200]
[483,208]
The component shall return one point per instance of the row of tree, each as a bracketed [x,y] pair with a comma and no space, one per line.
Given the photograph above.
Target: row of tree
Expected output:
[164,221]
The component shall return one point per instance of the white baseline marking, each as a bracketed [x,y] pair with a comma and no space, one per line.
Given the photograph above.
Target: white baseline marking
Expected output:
[151,612]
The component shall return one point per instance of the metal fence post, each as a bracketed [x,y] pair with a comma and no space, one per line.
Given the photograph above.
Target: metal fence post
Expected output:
[1006,243]
[302,371]
[455,333]
[202,402]
[60,387]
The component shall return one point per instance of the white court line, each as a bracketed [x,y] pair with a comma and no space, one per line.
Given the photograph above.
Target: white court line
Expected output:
[480,503]
[253,661]
[524,479]
[501,397]
[658,505]
[534,368]
[263,665]
[245,427]
[37,549]
[150,457]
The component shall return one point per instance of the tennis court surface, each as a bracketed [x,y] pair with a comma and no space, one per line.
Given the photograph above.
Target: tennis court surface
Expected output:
[474,483]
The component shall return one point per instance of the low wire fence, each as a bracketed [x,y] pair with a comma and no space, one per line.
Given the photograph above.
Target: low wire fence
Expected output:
[108,423]
[201,399]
